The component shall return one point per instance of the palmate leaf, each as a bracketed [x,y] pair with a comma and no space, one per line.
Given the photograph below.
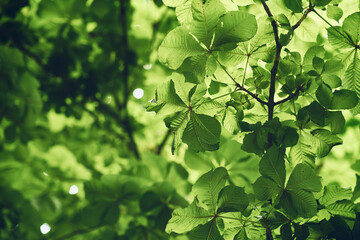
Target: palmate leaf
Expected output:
[210,28]
[324,141]
[352,79]
[297,199]
[179,100]
[265,188]
[334,193]
[338,40]
[256,48]
[206,14]
[344,208]
[177,46]
[173,3]
[186,219]
[208,187]
[232,199]
[235,27]
[352,27]
[272,165]
[208,231]
[294,5]
[272,169]
[202,133]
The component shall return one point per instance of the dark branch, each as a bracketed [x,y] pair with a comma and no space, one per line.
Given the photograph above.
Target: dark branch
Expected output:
[254,95]
[238,86]
[310,9]
[274,69]
[124,5]
[163,142]
[291,96]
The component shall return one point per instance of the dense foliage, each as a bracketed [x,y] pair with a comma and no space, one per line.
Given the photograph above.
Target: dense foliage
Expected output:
[252,99]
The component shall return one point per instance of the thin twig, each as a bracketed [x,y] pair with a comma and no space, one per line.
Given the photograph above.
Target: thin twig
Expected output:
[246,64]
[310,9]
[163,142]
[242,88]
[326,21]
[291,96]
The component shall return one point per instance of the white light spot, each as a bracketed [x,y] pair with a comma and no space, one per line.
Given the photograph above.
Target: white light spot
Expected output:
[326,36]
[147,66]
[45,228]
[73,190]
[137,25]
[108,100]
[138,93]
[45,174]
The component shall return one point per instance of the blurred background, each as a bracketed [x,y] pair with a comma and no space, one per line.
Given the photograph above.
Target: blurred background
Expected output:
[80,158]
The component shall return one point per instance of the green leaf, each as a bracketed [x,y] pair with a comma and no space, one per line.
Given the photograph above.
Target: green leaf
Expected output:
[167,101]
[301,231]
[356,193]
[320,3]
[177,124]
[303,151]
[186,219]
[303,177]
[334,12]
[235,27]
[344,99]
[325,141]
[232,199]
[336,121]
[177,46]
[173,3]
[297,199]
[206,15]
[286,232]
[316,113]
[352,77]
[183,13]
[339,40]
[272,165]
[344,208]
[294,5]
[324,95]
[351,26]
[298,203]
[208,187]
[266,188]
[334,193]
[208,231]
[202,133]
[332,80]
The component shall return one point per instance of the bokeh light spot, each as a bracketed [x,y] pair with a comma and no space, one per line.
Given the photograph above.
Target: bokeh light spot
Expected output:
[73,190]
[138,93]
[45,228]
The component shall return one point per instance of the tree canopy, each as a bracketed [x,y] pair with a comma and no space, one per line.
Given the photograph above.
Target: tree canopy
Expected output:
[179,119]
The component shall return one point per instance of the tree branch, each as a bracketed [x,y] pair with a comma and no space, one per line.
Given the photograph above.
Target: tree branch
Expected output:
[306,13]
[291,96]
[274,69]
[124,5]
[238,86]
[163,142]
